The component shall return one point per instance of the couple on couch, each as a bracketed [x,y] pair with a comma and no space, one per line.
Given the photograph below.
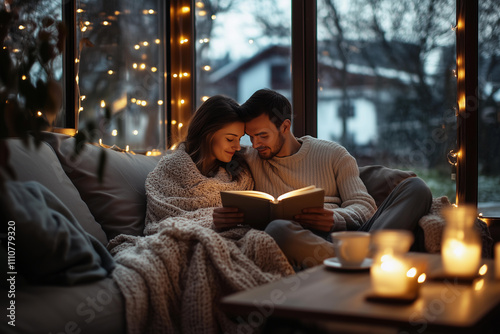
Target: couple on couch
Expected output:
[194,251]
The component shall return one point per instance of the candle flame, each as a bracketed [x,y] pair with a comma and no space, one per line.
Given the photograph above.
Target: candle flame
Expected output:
[421,278]
[483,270]
[412,272]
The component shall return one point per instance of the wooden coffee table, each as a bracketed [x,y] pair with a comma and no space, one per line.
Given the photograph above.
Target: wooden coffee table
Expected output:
[324,294]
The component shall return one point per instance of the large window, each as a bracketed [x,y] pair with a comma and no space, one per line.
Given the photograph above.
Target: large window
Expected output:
[489,109]
[121,72]
[241,48]
[386,85]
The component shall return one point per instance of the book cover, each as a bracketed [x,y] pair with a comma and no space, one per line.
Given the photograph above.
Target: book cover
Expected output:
[260,208]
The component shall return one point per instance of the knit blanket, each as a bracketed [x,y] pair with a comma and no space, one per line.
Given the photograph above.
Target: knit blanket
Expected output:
[173,277]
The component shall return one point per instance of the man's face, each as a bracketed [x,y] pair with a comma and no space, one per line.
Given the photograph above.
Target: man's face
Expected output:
[265,137]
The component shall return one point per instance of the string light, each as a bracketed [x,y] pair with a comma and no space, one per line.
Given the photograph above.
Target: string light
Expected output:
[114,133]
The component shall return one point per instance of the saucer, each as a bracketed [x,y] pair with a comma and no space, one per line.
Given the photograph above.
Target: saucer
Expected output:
[334,262]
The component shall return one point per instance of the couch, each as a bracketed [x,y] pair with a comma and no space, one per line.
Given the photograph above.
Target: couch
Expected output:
[73,293]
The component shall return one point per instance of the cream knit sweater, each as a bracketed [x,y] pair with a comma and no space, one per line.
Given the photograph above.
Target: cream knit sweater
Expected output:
[325,164]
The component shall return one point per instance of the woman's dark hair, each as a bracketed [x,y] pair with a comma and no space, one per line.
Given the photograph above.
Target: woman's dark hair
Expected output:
[215,113]
[269,102]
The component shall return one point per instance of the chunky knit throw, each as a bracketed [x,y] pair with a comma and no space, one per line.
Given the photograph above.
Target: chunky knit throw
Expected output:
[173,277]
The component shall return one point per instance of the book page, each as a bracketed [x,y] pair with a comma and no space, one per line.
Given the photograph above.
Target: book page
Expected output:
[296,192]
[252,193]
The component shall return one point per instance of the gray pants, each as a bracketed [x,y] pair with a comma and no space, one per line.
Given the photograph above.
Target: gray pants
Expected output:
[402,209]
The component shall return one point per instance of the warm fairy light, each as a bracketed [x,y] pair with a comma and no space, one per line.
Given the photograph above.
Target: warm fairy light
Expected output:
[461,103]
[23,77]
[143,66]
[135,132]
[183,40]
[114,133]
[117,12]
[185,74]
[250,41]
[103,104]
[133,100]
[483,270]
[21,27]
[80,109]
[127,148]
[214,17]
[185,9]
[110,72]
[137,46]
[207,68]
[83,29]
[204,98]
[154,69]
[87,23]
[77,79]
[160,102]
[204,40]
[77,60]
[460,24]
[144,103]
[39,113]
[202,13]
[105,23]
[180,125]
[151,11]
[175,75]
[157,41]
[134,65]
[138,102]
[100,141]
[174,122]
[79,10]
[16,50]
[182,101]
[145,43]
[200,4]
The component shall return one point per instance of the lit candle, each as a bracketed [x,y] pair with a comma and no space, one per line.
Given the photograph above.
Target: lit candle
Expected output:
[389,277]
[460,258]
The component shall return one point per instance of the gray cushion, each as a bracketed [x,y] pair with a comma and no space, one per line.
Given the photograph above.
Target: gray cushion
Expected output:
[51,246]
[380,180]
[31,163]
[119,202]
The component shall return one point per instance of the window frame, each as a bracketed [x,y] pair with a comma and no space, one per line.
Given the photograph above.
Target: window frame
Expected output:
[304,78]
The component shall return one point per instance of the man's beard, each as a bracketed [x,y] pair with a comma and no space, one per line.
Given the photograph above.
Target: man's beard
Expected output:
[276,149]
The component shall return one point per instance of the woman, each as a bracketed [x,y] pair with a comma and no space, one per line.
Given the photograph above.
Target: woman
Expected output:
[173,278]
[207,162]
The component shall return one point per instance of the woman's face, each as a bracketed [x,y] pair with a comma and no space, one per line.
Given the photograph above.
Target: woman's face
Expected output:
[226,141]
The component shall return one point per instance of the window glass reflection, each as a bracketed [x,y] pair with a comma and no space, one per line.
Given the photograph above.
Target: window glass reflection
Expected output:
[386,89]
[489,109]
[121,71]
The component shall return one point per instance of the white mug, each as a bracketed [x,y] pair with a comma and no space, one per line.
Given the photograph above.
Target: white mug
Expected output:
[351,247]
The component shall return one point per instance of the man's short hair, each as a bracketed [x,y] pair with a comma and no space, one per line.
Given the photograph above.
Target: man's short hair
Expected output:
[269,102]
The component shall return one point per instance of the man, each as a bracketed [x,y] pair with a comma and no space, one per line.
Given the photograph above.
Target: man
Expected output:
[280,162]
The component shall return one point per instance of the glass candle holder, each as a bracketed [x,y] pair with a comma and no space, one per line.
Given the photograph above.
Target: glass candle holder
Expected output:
[461,244]
[389,272]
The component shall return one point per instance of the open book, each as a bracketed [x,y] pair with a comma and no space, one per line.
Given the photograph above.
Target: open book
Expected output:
[260,208]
